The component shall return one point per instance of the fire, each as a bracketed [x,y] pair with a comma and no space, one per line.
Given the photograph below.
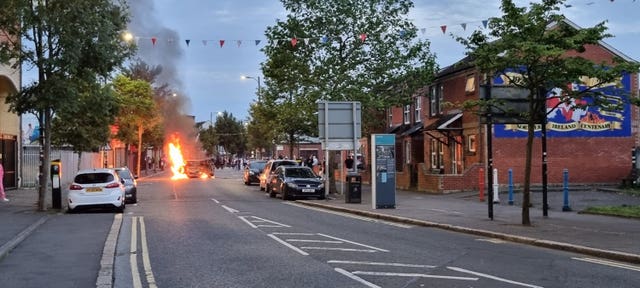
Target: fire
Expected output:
[177,162]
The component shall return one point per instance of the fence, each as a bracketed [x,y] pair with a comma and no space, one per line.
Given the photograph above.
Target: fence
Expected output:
[68,158]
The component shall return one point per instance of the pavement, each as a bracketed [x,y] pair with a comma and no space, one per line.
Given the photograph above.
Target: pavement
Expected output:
[608,237]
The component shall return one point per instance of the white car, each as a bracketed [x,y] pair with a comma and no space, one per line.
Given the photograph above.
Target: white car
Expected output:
[97,188]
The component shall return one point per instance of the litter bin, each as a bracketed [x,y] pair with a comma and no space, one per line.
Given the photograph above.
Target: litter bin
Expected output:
[56,190]
[354,191]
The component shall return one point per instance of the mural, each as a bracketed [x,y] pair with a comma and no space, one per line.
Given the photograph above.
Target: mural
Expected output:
[567,120]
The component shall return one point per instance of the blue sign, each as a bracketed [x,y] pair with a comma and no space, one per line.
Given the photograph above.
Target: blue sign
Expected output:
[575,118]
[384,171]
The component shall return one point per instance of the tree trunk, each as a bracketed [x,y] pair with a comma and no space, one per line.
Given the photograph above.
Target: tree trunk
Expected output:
[140,130]
[526,199]
[45,140]
[331,172]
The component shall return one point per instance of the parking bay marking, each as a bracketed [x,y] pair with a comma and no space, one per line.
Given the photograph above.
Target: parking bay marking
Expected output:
[335,240]
[250,220]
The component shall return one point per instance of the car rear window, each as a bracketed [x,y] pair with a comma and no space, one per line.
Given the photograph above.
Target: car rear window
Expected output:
[125,174]
[93,178]
[287,163]
[257,165]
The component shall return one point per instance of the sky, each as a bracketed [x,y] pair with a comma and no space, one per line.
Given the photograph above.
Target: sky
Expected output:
[208,76]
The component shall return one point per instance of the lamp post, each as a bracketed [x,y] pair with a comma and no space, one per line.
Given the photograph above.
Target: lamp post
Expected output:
[257,80]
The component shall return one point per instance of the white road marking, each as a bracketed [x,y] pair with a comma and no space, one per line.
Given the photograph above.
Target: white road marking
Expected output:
[231,210]
[315,241]
[145,255]
[292,233]
[243,218]
[492,240]
[294,248]
[381,264]
[375,273]
[446,211]
[214,200]
[350,215]
[608,263]
[492,277]
[354,277]
[340,249]
[355,243]
[269,221]
[133,260]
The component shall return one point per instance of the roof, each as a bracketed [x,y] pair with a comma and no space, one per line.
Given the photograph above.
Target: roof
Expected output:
[445,123]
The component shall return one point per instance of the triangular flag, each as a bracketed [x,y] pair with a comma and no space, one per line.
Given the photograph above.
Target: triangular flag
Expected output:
[363,37]
[464,26]
[221,43]
[153,40]
[257,42]
[484,23]
[306,41]
[294,41]
[324,39]
[443,28]
[423,30]
[187,41]
[204,42]
[239,42]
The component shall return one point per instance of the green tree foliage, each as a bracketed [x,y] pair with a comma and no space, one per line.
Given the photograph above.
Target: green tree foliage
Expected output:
[345,50]
[138,111]
[230,133]
[91,131]
[536,49]
[69,44]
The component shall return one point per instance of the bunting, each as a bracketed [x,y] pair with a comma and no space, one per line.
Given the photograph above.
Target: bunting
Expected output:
[483,24]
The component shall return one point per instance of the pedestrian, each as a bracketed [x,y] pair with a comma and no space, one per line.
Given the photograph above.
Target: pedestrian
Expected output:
[3,197]
[315,164]
[349,162]
[309,162]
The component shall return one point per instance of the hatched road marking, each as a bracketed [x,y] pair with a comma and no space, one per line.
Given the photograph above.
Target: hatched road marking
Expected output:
[608,263]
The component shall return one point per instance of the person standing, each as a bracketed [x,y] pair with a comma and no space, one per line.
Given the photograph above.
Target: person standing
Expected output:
[3,196]
[315,164]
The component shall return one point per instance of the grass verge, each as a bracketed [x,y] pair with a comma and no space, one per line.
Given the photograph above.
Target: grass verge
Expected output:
[628,211]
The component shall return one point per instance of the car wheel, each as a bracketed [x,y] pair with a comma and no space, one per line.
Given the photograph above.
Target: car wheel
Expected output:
[262,188]
[134,199]
[70,211]
[121,208]
[247,183]
[285,195]
[272,194]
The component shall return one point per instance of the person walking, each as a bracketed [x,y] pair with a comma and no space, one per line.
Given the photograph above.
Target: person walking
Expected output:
[3,196]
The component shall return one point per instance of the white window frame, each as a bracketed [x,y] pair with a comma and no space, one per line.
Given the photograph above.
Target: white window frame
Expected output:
[417,117]
[390,117]
[470,84]
[433,100]
[407,151]
[472,143]
[406,114]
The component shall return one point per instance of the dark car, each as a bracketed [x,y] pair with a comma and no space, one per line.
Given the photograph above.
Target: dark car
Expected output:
[296,181]
[252,171]
[130,184]
[199,169]
[269,168]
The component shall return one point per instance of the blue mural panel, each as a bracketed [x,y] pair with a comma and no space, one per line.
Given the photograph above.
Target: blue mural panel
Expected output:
[565,120]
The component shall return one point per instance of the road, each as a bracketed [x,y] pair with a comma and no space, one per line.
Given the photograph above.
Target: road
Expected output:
[221,233]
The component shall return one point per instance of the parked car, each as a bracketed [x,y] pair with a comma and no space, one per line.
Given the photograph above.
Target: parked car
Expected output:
[99,188]
[269,168]
[296,181]
[130,184]
[252,171]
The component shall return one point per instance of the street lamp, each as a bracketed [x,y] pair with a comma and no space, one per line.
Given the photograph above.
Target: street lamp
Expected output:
[257,80]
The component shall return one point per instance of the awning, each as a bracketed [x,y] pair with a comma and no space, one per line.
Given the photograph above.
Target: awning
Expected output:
[397,129]
[446,122]
[412,130]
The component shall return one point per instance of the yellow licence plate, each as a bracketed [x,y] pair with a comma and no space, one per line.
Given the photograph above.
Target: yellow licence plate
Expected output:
[93,189]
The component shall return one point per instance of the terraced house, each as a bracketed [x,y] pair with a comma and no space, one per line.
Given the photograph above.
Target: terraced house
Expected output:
[441,148]
[9,125]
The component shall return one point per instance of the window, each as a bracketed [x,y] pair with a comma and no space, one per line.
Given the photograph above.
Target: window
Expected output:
[406,114]
[436,99]
[470,85]
[471,145]
[417,103]
[437,154]
[390,117]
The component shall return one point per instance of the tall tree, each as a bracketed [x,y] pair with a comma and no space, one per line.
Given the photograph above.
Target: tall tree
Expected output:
[98,106]
[138,112]
[346,50]
[230,134]
[68,43]
[535,49]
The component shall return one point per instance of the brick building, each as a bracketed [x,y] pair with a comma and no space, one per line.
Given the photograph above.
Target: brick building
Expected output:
[440,148]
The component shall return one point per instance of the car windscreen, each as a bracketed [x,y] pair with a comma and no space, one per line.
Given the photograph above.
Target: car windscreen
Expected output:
[93,178]
[299,173]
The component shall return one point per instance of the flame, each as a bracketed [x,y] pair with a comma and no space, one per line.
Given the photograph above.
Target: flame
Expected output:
[177,162]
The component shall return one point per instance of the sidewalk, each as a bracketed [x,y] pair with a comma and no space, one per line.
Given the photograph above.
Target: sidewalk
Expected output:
[601,236]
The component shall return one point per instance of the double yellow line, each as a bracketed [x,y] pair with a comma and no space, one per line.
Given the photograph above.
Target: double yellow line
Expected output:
[133,256]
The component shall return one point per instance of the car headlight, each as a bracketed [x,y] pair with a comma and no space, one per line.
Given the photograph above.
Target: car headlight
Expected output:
[252,173]
[321,185]
[292,185]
